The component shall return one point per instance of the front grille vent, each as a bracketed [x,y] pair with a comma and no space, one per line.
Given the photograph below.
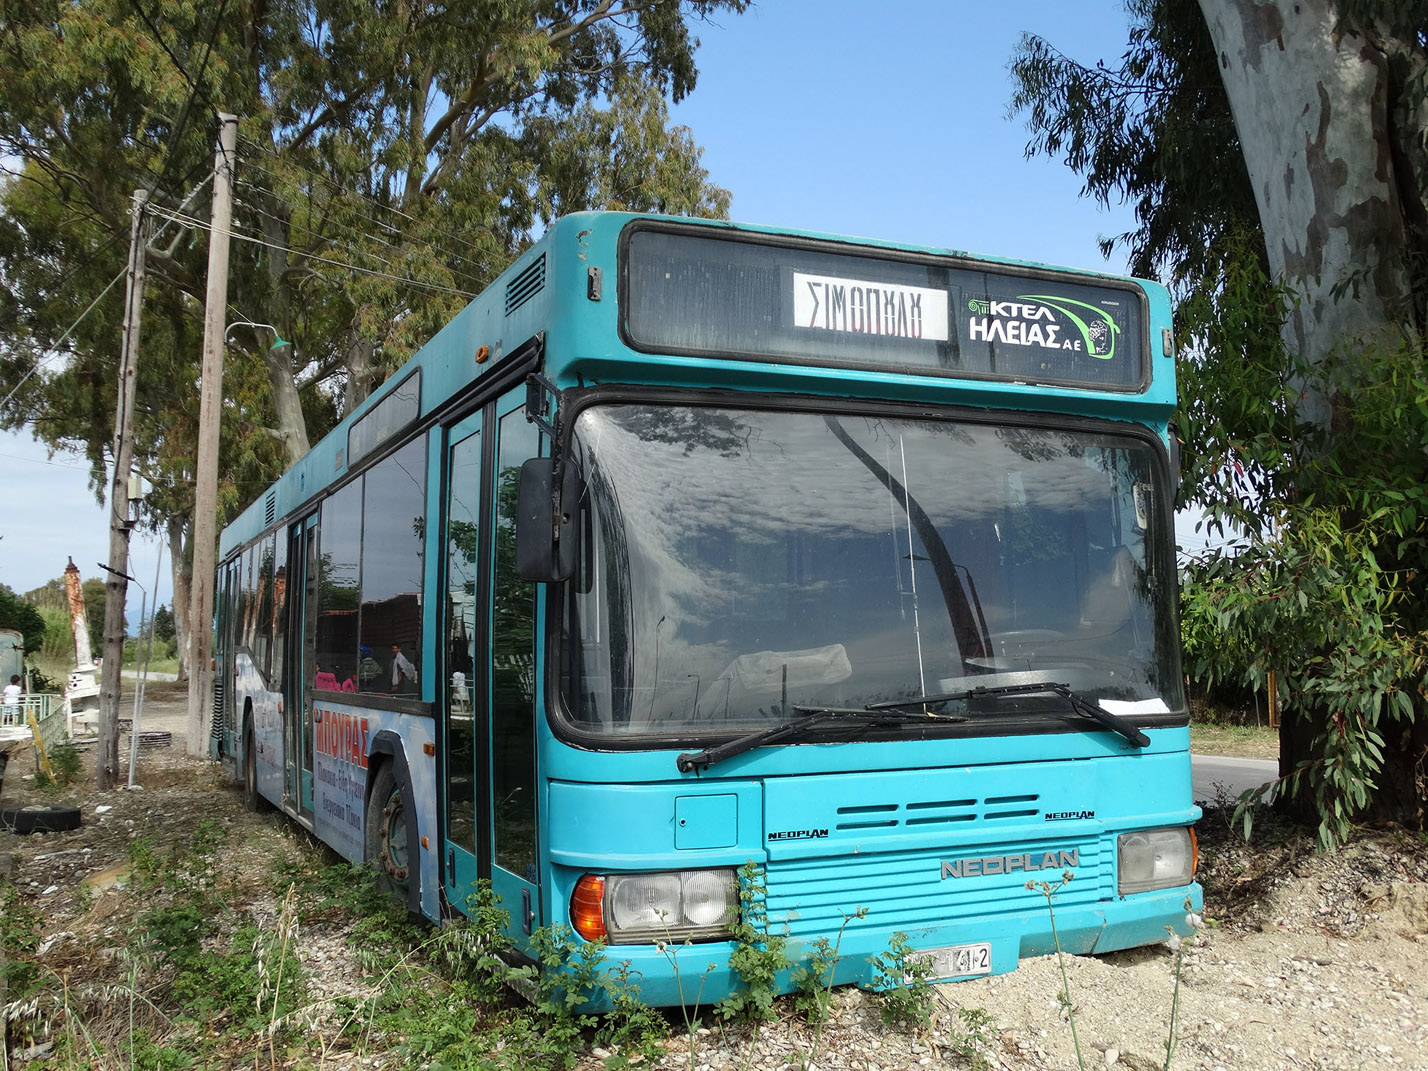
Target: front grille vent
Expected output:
[936,812]
[526,285]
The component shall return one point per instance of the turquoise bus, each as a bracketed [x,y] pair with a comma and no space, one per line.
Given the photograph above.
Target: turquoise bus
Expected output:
[690,545]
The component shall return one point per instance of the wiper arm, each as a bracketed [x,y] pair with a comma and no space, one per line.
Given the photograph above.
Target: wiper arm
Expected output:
[690,761]
[1085,707]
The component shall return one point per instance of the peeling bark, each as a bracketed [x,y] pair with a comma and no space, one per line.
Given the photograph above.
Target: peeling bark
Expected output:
[1311,101]
[1332,129]
[361,371]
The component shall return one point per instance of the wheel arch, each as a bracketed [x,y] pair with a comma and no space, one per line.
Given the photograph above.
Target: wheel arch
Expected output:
[387,749]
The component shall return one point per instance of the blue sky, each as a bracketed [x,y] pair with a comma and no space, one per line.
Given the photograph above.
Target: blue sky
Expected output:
[881,119]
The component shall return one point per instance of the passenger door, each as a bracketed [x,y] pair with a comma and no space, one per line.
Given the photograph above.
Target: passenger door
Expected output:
[513,675]
[489,716]
[463,719]
[303,569]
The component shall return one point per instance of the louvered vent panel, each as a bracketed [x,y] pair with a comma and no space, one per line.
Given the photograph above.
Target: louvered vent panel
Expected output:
[219,713]
[525,285]
[270,507]
[907,890]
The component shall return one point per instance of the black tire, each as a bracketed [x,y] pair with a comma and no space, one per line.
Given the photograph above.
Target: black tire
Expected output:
[40,818]
[388,833]
[252,799]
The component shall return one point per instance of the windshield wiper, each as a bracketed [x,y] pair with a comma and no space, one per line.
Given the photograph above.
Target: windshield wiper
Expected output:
[867,717]
[1080,705]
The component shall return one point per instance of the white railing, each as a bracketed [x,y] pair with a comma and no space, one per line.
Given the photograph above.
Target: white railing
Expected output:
[43,710]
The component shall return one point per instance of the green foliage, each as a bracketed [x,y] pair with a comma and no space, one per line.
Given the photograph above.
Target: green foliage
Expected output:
[65,766]
[572,973]
[375,215]
[813,977]
[1327,586]
[1328,591]
[142,1050]
[163,624]
[971,1036]
[758,955]
[905,979]
[17,614]
[19,938]
[57,647]
[1154,130]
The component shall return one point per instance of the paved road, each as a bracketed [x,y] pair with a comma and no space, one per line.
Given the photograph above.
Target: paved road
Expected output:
[133,675]
[1214,776]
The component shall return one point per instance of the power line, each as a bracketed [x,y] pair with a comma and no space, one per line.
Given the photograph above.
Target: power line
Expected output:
[416,283]
[337,186]
[44,461]
[90,307]
[446,253]
[194,86]
[123,272]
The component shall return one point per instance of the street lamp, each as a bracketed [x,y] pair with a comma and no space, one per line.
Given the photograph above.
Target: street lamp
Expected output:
[278,341]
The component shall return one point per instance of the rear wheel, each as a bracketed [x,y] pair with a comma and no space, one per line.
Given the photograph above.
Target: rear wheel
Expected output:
[252,799]
[388,840]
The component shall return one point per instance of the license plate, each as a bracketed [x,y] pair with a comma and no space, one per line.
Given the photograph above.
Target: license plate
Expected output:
[959,961]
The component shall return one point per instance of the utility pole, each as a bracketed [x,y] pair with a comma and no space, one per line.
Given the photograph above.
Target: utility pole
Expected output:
[210,408]
[106,763]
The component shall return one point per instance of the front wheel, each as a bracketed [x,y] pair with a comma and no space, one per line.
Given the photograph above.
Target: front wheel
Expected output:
[387,837]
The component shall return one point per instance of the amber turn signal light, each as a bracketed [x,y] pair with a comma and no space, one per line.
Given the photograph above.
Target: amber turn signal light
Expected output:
[587,907]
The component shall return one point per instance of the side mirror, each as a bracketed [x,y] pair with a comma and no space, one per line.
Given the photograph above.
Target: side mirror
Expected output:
[546,540]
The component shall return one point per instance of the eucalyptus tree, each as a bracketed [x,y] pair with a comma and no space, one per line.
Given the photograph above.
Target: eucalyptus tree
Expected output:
[1275,156]
[393,158]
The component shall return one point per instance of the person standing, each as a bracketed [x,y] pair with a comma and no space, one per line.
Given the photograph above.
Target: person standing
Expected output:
[403,672]
[11,700]
[368,670]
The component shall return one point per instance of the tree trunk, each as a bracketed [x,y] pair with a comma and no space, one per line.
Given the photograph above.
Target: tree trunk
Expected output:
[361,370]
[1331,133]
[282,376]
[292,428]
[181,566]
[1311,102]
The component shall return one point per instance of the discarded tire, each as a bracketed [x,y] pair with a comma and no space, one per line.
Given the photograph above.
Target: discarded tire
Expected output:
[40,818]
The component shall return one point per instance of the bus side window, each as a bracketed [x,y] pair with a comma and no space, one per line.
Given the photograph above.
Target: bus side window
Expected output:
[393,534]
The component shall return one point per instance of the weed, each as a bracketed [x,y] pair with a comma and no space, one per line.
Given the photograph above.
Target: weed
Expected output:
[568,976]
[63,765]
[20,926]
[144,1051]
[813,979]
[758,956]
[65,762]
[670,950]
[1178,946]
[1049,891]
[971,1039]
[632,1028]
[907,978]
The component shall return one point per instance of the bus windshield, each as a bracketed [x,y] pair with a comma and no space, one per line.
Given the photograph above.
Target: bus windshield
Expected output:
[740,564]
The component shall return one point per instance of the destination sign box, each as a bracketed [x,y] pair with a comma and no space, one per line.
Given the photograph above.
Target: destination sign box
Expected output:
[738,296]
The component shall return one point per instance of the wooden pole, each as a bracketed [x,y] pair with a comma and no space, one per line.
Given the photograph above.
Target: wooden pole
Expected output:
[210,404]
[1273,700]
[116,588]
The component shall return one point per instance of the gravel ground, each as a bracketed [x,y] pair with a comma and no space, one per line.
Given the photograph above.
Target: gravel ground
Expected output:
[1307,961]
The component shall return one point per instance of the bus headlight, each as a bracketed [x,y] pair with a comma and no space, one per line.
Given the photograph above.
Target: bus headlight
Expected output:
[1155,859]
[645,908]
